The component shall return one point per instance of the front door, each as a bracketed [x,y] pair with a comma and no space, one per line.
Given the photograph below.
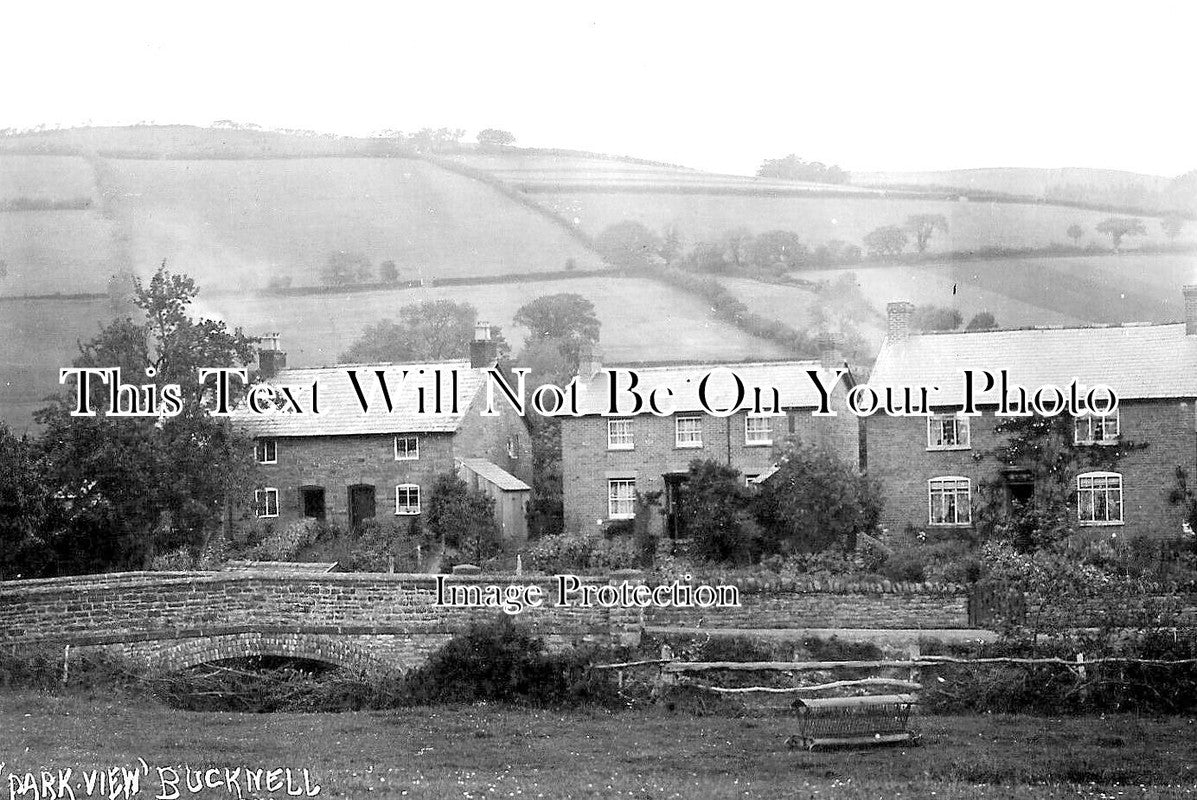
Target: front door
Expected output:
[312,500]
[675,526]
[361,504]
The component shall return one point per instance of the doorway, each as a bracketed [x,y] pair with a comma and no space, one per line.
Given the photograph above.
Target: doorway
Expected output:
[675,526]
[361,504]
[311,500]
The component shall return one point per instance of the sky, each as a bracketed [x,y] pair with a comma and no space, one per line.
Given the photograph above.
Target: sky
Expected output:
[717,86]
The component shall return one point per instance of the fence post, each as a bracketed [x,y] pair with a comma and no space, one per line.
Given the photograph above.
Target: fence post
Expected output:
[914,651]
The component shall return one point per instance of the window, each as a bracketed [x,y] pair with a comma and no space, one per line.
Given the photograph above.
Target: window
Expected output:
[688,431]
[621,498]
[1092,429]
[947,432]
[407,448]
[619,434]
[266,451]
[950,501]
[407,499]
[266,502]
[758,430]
[513,446]
[749,479]
[1099,498]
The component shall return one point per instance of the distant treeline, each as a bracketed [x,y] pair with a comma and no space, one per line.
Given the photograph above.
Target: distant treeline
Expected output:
[45,204]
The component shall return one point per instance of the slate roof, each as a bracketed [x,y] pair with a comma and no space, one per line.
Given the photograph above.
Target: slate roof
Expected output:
[493,473]
[794,385]
[341,411]
[1136,361]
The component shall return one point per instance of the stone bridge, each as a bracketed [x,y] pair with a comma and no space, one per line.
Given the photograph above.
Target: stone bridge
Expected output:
[368,623]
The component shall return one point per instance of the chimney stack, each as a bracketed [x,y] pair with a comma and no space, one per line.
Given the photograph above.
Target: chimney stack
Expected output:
[271,360]
[589,362]
[1190,292]
[897,317]
[830,357]
[484,353]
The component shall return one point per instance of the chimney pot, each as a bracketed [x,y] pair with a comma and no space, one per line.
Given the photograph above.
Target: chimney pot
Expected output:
[897,317]
[482,332]
[484,353]
[271,359]
[1190,293]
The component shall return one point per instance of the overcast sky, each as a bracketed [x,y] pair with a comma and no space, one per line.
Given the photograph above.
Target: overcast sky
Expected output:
[887,85]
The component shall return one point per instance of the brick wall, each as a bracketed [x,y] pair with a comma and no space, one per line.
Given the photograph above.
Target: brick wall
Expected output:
[899,458]
[587,463]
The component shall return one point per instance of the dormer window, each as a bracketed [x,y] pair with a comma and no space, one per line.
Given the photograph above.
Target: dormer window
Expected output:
[1092,429]
[266,451]
[407,448]
[947,432]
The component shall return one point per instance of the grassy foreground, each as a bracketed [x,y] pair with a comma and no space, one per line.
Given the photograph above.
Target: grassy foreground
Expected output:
[471,752]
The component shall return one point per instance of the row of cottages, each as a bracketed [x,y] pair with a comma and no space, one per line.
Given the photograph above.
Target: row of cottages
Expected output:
[344,465]
[607,460]
[937,470]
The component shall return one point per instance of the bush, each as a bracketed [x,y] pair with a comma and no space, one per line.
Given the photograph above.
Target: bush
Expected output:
[499,661]
[570,552]
[287,543]
[41,668]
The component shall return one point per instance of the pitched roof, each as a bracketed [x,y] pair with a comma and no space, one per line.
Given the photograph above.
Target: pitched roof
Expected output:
[1136,361]
[493,473]
[795,387]
[341,412]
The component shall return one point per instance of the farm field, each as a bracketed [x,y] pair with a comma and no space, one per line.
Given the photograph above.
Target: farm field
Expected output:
[642,321]
[1038,291]
[707,217]
[45,177]
[236,224]
[495,751]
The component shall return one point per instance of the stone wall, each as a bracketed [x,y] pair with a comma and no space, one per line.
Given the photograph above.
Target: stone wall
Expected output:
[829,604]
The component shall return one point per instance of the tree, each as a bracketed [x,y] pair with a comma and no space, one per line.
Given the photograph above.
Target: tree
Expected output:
[345,269]
[815,501]
[1118,228]
[559,316]
[628,245]
[981,321]
[936,318]
[778,251]
[388,272]
[715,514]
[463,519]
[1172,225]
[493,137]
[923,226]
[431,330]
[122,288]
[25,509]
[671,245]
[793,168]
[889,240]
[707,257]
[1075,232]
[131,487]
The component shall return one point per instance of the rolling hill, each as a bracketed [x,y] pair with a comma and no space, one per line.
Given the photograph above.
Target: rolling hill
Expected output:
[237,209]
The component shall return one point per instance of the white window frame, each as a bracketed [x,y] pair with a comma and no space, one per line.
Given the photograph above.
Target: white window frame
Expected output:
[961,430]
[1094,429]
[621,441]
[262,501]
[615,500]
[260,450]
[408,455]
[749,441]
[1087,495]
[959,520]
[407,509]
[677,433]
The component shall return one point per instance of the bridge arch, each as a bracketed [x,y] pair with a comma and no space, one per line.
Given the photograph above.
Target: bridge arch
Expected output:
[313,647]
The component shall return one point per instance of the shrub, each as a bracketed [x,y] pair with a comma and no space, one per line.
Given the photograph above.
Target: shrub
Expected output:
[906,566]
[500,661]
[41,668]
[569,552]
[285,544]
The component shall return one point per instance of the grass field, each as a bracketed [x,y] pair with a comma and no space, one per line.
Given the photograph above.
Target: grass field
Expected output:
[706,217]
[45,177]
[480,751]
[642,320]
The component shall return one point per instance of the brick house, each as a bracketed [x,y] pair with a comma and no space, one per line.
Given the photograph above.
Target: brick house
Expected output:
[934,468]
[607,460]
[346,465]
